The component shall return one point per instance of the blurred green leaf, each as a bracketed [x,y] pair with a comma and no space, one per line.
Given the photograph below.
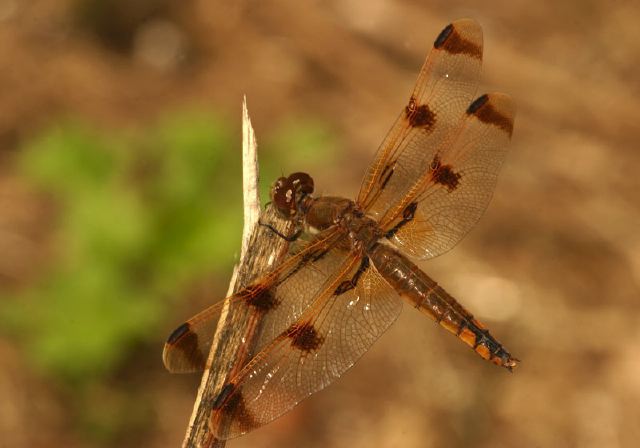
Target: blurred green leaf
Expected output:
[140,215]
[69,159]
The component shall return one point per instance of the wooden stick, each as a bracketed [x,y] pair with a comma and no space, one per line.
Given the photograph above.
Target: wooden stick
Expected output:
[266,251]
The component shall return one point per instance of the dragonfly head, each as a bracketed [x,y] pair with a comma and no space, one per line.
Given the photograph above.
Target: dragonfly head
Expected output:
[290,194]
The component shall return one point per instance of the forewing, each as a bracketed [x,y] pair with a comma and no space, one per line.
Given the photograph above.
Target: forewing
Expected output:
[277,299]
[327,340]
[455,190]
[446,85]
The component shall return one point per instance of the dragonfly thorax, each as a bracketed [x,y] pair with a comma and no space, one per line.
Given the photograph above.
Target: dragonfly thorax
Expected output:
[328,211]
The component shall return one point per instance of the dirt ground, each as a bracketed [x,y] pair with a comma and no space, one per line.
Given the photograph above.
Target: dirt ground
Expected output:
[553,267]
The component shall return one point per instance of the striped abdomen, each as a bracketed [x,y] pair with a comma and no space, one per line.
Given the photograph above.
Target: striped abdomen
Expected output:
[423,293]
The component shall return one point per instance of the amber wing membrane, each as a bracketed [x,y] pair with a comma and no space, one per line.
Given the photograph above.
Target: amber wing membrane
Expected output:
[323,307]
[344,321]
[445,87]
[454,191]
[277,299]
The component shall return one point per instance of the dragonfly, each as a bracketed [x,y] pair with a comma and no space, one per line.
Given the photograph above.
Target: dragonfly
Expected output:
[350,264]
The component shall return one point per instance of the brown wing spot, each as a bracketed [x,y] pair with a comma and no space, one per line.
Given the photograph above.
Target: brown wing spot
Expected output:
[408,214]
[223,395]
[444,174]
[178,333]
[386,174]
[186,341]
[348,285]
[451,41]
[343,287]
[409,211]
[259,297]
[230,405]
[419,115]
[304,337]
[309,256]
[485,112]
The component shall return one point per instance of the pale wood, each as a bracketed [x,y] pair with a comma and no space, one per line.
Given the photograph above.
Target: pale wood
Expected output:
[266,251]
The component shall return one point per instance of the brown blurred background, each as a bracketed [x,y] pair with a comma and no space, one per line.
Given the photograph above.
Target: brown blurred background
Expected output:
[120,209]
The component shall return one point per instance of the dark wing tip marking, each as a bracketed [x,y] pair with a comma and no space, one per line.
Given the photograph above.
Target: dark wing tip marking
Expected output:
[304,337]
[443,36]
[419,115]
[483,109]
[184,340]
[477,104]
[178,333]
[452,42]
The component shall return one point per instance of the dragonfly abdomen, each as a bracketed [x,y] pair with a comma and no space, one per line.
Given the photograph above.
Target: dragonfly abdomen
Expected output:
[425,294]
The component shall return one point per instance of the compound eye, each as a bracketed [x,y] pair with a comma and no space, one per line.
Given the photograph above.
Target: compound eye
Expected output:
[302,182]
[283,198]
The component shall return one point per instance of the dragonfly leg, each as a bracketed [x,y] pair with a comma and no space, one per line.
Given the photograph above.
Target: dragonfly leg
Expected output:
[289,238]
